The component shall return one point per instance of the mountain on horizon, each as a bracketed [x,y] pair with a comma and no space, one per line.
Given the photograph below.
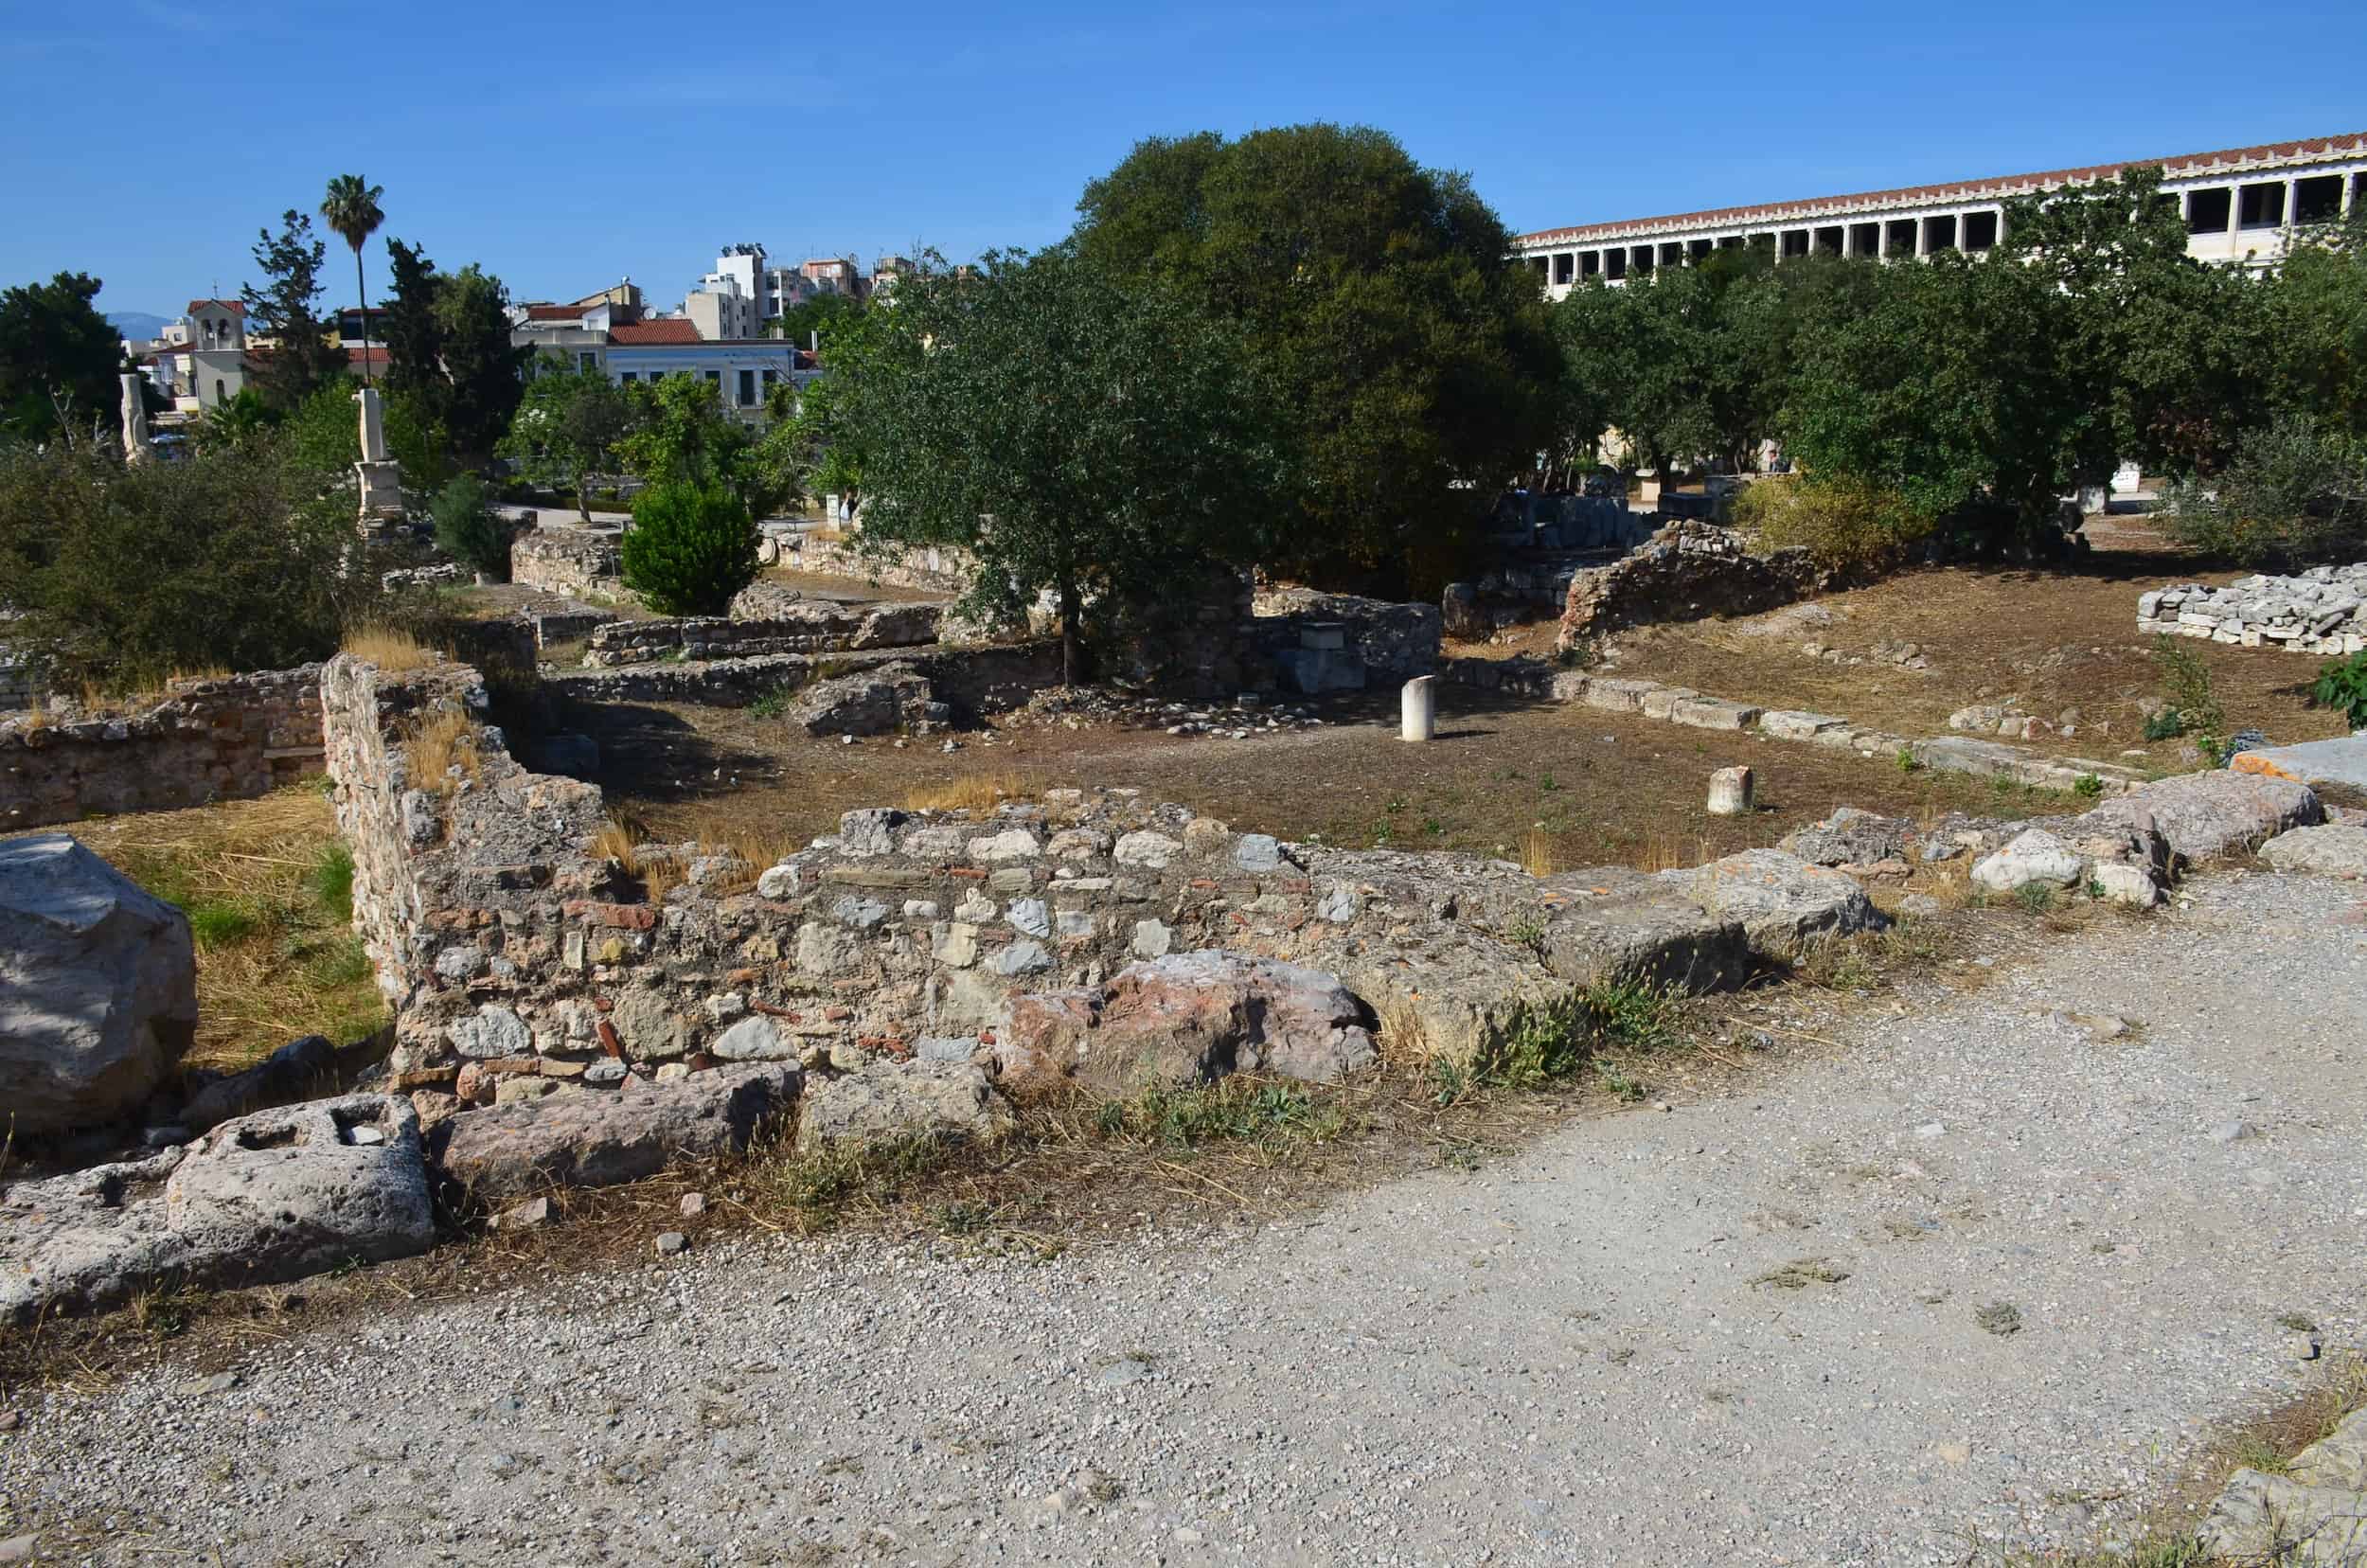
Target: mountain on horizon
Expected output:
[137,323]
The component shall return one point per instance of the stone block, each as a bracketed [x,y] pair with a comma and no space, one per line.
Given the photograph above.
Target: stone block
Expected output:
[600,1139]
[1715,713]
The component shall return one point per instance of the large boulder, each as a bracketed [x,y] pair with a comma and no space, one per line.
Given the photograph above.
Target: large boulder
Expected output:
[596,1138]
[1785,903]
[1191,1018]
[97,988]
[266,1198]
[2332,851]
[1851,837]
[2205,814]
[871,702]
[885,1100]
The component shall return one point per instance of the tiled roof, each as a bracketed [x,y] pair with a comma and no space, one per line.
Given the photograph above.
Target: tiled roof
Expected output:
[557,312]
[645,333]
[236,307]
[2008,184]
[377,352]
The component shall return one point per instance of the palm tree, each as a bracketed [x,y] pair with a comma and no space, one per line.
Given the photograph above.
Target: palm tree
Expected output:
[351,210]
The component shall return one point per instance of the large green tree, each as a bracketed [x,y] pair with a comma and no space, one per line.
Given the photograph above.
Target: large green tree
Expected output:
[306,356]
[350,208]
[682,435]
[1415,357]
[2168,353]
[59,359]
[567,427]
[409,326]
[1080,435]
[483,372]
[2317,307]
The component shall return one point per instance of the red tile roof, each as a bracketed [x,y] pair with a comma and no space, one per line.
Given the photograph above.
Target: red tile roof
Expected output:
[646,334]
[556,313]
[236,307]
[377,356]
[2186,166]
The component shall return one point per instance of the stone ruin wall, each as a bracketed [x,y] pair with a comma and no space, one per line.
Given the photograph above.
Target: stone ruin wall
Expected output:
[578,562]
[231,738]
[522,962]
[933,570]
[2321,611]
[1687,571]
[814,627]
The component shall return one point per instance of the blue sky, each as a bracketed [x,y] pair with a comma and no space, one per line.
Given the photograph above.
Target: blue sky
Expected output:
[564,145]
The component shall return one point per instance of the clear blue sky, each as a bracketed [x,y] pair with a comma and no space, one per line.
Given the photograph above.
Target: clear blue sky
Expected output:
[564,145]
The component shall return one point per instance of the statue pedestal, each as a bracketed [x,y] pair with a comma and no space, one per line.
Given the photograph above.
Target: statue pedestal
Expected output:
[381,495]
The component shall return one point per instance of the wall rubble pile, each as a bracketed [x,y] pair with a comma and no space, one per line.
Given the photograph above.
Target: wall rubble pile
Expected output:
[2323,611]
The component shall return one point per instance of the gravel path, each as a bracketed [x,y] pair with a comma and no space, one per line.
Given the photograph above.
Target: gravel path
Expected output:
[1561,1358]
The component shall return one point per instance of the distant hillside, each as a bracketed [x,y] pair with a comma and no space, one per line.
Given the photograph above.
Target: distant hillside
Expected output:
[137,323]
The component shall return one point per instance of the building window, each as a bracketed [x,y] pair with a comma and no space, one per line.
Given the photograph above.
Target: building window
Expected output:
[1795,243]
[2262,204]
[1565,266]
[1590,263]
[1899,236]
[2207,211]
[1865,239]
[747,388]
[587,360]
[1980,231]
[218,394]
[2318,200]
[770,377]
[624,378]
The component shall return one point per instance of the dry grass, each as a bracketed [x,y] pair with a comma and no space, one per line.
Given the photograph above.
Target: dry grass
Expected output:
[390,649]
[1539,855]
[266,884]
[970,792]
[436,742]
[625,838]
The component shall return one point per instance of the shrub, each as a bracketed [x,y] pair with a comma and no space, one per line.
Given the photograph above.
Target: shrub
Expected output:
[1841,521]
[2342,683]
[122,575]
[467,530]
[2186,683]
[2291,491]
[690,549]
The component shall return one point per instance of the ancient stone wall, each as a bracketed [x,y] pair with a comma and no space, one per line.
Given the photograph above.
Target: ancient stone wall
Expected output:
[817,627]
[1687,571]
[973,682]
[1395,642]
[578,562]
[230,738]
[2321,611]
[933,570]
[522,961]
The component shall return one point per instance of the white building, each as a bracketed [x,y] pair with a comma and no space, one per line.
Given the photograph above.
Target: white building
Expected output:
[2240,206]
[201,361]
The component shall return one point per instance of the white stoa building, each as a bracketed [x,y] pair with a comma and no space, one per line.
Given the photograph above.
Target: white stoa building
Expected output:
[2240,206]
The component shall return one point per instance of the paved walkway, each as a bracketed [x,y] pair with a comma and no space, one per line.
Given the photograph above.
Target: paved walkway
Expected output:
[1574,1355]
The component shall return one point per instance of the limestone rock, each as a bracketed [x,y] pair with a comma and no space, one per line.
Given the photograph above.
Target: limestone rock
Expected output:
[272,1195]
[871,702]
[1194,1017]
[2329,851]
[2276,1519]
[2214,813]
[884,1100]
[600,1139]
[1851,837]
[97,988]
[2034,855]
[1785,903]
[289,1073]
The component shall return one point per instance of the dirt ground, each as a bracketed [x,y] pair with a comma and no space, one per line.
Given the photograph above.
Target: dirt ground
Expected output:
[1599,787]
[2058,642]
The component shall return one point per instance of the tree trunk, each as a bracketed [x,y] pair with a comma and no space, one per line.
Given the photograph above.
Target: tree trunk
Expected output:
[1072,639]
[584,495]
[362,293]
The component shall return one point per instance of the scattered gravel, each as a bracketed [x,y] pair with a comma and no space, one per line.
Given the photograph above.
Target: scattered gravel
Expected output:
[1565,1357]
